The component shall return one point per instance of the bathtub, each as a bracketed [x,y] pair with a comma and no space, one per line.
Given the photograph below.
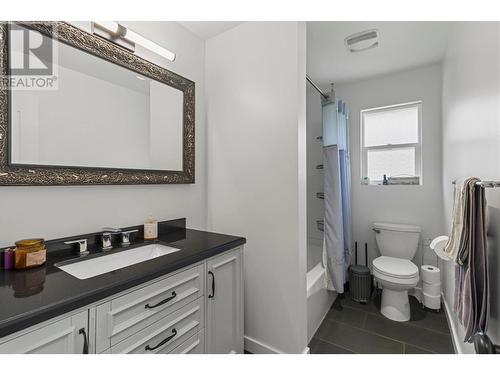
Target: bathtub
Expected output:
[319,299]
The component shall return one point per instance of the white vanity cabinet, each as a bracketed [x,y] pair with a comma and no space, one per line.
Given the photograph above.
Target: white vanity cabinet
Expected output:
[197,309]
[224,290]
[66,336]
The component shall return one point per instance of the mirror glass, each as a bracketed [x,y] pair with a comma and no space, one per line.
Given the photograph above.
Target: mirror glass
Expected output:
[100,115]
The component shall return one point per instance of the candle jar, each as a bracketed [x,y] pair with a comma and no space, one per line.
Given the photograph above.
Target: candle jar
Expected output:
[30,253]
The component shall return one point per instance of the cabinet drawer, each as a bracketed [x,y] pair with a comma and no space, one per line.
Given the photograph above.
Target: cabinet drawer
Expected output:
[193,345]
[165,334]
[126,315]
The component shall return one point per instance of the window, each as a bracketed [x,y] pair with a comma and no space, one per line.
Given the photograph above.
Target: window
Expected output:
[391,143]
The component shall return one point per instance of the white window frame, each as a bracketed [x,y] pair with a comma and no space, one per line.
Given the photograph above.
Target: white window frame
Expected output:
[417,146]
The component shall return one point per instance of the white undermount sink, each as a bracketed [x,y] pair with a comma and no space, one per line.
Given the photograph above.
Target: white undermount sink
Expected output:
[86,269]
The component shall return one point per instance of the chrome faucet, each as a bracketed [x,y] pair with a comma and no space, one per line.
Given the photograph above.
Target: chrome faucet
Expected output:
[126,236]
[82,245]
[106,237]
[108,232]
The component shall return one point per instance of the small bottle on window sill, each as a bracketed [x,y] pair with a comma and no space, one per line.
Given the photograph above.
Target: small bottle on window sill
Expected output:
[385,182]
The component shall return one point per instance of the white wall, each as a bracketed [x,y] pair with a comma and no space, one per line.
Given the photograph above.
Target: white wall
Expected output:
[52,212]
[420,205]
[257,183]
[471,141]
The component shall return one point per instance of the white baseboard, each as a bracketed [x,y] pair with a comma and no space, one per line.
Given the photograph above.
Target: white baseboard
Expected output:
[257,347]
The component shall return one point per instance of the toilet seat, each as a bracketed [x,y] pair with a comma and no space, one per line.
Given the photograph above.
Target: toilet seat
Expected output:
[395,268]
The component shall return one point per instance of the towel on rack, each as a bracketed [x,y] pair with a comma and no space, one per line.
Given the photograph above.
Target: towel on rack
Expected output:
[469,203]
[477,276]
[459,287]
[471,271]
[462,304]
[451,247]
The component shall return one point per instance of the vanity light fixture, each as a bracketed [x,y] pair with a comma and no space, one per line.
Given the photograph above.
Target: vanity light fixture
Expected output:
[126,38]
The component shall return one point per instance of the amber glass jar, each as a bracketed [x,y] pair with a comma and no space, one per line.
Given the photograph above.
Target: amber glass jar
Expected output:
[30,253]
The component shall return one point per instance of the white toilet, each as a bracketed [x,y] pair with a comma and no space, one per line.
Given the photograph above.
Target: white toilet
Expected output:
[394,270]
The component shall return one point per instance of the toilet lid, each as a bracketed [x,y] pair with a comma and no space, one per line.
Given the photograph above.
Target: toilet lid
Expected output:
[395,267]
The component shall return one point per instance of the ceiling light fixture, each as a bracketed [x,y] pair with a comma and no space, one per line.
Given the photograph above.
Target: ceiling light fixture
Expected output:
[362,41]
[126,38]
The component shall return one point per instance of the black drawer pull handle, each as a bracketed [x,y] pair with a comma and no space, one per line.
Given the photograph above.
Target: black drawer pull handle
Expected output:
[213,285]
[162,302]
[85,341]
[174,332]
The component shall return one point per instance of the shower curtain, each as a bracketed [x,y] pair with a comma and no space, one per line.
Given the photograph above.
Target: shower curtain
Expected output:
[337,242]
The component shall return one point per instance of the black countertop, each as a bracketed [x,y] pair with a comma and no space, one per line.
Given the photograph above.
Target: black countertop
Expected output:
[32,296]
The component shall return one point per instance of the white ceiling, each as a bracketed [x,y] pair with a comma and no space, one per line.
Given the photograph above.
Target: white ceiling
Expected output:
[208,29]
[402,45]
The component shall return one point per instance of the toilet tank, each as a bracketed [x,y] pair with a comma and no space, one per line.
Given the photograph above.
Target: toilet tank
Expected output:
[397,240]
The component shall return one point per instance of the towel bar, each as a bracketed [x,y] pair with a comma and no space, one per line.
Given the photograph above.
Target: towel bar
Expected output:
[488,184]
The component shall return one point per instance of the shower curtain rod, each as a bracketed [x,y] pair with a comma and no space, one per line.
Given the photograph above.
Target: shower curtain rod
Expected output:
[316,87]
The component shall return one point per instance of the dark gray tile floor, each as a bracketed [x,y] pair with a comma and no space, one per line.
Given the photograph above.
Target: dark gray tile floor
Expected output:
[351,327]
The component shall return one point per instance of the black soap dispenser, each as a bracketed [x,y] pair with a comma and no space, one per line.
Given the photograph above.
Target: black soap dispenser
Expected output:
[384,181]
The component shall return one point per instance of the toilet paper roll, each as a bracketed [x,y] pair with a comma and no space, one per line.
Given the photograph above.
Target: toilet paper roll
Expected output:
[431,289]
[438,245]
[430,274]
[432,302]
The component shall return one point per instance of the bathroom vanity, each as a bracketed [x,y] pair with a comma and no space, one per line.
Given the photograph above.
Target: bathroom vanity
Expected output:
[186,301]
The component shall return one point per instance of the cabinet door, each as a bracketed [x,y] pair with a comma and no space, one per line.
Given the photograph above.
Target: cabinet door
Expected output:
[224,325]
[66,336]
